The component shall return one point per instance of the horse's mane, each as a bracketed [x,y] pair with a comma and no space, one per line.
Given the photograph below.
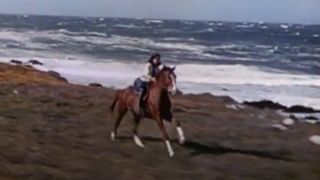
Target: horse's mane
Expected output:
[160,73]
[164,69]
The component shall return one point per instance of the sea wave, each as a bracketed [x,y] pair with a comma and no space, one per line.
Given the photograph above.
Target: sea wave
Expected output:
[129,26]
[185,47]
[238,81]
[92,41]
[153,21]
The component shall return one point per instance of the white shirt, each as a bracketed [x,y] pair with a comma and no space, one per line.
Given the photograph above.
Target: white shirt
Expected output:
[147,72]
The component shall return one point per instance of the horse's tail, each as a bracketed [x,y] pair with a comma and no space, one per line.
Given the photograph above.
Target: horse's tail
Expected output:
[114,102]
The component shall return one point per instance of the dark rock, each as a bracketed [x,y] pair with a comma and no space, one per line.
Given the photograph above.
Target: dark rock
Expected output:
[293,117]
[13,61]
[227,100]
[266,104]
[57,76]
[95,85]
[224,89]
[72,58]
[35,62]
[272,105]
[206,94]
[311,118]
[301,109]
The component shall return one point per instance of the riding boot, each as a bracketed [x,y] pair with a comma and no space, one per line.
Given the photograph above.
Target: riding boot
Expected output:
[142,105]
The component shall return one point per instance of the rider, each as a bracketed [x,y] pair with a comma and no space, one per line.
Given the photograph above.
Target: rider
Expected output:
[150,71]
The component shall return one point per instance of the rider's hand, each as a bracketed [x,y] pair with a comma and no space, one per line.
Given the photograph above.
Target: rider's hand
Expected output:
[153,80]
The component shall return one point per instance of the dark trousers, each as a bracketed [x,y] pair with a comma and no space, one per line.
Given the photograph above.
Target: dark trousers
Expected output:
[142,88]
[143,93]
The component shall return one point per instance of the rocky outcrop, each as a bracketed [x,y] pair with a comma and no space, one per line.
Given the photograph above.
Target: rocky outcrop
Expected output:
[311,118]
[95,85]
[57,76]
[17,62]
[35,62]
[276,106]
[301,109]
[266,104]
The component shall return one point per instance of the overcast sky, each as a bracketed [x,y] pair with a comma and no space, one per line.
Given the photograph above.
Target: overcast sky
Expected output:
[301,11]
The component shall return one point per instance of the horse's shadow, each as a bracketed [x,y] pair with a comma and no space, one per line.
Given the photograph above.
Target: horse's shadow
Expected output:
[202,149]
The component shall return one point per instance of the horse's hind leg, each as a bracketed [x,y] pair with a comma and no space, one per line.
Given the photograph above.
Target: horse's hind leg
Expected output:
[179,131]
[136,138]
[121,113]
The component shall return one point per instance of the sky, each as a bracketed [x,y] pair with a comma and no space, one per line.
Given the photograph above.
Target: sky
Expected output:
[286,11]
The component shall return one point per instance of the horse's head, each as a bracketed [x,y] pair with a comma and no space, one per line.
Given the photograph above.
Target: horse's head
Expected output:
[167,78]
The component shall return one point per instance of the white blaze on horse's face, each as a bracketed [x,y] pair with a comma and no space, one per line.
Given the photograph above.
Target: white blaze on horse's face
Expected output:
[173,88]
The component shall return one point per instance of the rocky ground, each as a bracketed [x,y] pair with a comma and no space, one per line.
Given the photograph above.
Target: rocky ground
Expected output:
[50,129]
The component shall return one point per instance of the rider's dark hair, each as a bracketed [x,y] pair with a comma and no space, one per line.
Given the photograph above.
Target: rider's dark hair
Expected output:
[153,56]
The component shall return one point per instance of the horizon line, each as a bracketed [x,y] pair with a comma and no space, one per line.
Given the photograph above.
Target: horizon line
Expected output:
[165,19]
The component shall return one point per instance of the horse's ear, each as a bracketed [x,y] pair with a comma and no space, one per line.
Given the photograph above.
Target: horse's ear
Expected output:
[174,68]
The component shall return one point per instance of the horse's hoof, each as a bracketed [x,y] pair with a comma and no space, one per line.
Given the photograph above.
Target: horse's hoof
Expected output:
[182,141]
[137,141]
[169,148]
[112,136]
[181,136]
[171,154]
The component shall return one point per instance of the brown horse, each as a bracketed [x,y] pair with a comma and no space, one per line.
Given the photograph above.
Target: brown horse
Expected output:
[158,107]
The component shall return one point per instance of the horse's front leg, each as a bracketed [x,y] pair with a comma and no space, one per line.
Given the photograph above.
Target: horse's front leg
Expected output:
[181,136]
[165,136]
[136,138]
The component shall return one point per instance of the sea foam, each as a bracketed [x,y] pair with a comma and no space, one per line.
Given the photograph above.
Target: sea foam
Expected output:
[240,82]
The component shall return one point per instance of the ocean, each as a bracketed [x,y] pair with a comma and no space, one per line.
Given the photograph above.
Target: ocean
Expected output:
[244,60]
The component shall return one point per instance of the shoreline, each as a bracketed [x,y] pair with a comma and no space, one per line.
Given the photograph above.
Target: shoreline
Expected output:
[298,112]
[70,69]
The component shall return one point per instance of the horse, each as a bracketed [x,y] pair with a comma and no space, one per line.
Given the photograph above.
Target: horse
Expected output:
[158,106]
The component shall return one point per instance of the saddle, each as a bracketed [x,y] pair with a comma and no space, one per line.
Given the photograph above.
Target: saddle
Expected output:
[138,83]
